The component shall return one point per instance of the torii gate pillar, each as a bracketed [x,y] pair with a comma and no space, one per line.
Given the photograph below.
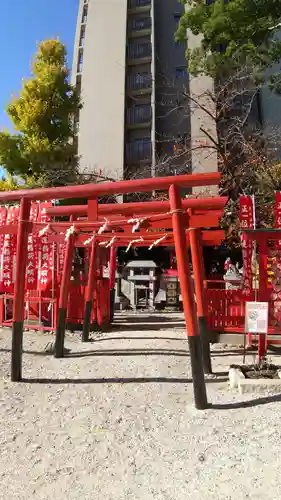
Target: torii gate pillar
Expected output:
[194,341]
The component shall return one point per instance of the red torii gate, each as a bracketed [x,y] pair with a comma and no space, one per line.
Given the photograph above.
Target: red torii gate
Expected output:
[92,192]
[192,218]
[144,239]
[56,236]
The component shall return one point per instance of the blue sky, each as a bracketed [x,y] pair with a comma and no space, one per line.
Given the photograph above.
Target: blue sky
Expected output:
[23,23]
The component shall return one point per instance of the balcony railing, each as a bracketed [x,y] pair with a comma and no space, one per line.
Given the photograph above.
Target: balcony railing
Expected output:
[140,24]
[138,150]
[80,67]
[138,3]
[137,51]
[82,41]
[139,114]
[139,81]
[85,14]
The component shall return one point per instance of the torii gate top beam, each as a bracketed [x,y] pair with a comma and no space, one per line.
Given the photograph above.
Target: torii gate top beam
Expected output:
[110,188]
[137,208]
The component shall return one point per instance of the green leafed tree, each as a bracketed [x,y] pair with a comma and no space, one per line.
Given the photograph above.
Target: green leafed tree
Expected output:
[233,33]
[43,116]
[238,45]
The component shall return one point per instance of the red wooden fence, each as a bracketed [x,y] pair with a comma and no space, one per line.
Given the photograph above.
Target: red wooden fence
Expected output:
[226,312]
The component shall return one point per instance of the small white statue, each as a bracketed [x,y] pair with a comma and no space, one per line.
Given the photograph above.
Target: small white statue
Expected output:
[232,276]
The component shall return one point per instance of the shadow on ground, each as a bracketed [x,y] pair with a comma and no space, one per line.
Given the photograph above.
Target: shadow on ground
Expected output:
[147,319]
[121,380]
[130,352]
[247,404]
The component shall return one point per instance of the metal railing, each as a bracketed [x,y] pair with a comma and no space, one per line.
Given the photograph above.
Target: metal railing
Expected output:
[138,150]
[80,67]
[139,114]
[137,51]
[139,81]
[84,14]
[140,24]
[138,3]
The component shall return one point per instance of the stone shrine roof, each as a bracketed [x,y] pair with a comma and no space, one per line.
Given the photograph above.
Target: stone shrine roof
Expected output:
[141,263]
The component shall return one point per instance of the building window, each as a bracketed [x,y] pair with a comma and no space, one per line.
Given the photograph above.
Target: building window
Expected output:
[142,112]
[139,3]
[78,85]
[82,36]
[139,50]
[139,149]
[139,79]
[142,79]
[139,113]
[177,17]
[80,61]
[141,24]
[180,72]
[85,14]
[141,145]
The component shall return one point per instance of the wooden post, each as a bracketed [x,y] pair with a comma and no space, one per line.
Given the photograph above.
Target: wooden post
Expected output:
[112,275]
[199,386]
[112,266]
[18,306]
[2,310]
[92,277]
[64,290]
[90,293]
[262,340]
[101,257]
[195,239]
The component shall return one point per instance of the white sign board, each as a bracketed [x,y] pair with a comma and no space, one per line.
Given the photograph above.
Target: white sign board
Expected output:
[256,317]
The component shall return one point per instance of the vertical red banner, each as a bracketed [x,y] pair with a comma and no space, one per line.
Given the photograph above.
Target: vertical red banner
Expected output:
[9,253]
[247,217]
[60,260]
[31,281]
[277,213]
[3,216]
[14,220]
[276,265]
[45,250]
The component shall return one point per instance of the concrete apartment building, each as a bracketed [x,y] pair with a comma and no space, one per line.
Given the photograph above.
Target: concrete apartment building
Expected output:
[131,75]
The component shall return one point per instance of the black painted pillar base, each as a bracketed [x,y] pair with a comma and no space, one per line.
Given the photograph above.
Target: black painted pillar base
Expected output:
[60,334]
[199,386]
[112,304]
[87,321]
[16,358]
[205,344]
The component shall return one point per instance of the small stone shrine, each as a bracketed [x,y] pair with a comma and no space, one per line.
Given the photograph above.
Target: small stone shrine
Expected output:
[142,278]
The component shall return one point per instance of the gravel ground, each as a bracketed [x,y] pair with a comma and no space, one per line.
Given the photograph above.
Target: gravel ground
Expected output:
[114,420]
